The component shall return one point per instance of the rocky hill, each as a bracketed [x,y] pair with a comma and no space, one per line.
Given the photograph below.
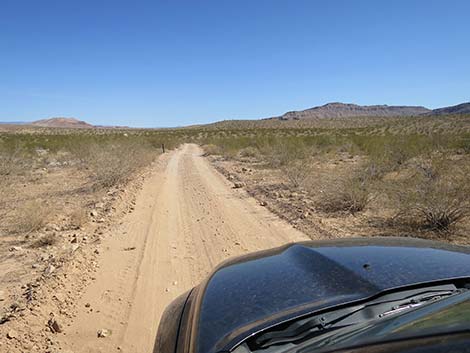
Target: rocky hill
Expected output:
[463,108]
[62,122]
[342,110]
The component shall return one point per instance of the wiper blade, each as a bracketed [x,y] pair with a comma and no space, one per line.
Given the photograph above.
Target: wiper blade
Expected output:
[297,331]
[382,307]
[417,301]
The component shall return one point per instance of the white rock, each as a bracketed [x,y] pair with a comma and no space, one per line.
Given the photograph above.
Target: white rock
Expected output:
[12,334]
[102,333]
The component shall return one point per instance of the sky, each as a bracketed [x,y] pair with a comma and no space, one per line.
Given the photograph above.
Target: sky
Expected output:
[179,62]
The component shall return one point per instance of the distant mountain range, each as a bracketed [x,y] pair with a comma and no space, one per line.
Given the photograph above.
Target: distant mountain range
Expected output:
[342,110]
[330,110]
[463,108]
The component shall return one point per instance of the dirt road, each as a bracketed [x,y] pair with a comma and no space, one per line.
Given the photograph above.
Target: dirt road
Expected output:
[187,219]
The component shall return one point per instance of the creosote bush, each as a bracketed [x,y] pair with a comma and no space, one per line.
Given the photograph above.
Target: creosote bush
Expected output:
[31,217]
[113,164]
[211,150]
[345,195]
[297,172]
[435,196]
[249,152]
[78,217]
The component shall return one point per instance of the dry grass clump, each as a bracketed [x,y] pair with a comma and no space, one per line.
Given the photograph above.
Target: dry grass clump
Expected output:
[435,196]
[13,163]
[283,152]
[46,240]
[78,217]
[249,152]
[297,172]
[31,217]
[345,195]
[113,164]
[211,150]
[7,164]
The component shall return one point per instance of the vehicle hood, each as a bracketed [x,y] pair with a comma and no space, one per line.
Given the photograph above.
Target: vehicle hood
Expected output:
[254,292]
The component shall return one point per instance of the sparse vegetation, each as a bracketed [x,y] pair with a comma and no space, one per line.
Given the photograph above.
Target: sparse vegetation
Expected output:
[113,164]
[32,216]
[362,162]
[78,217]
[357,164]
[45,240]
[62,167]
[435,195]
[346,195]
[297,172]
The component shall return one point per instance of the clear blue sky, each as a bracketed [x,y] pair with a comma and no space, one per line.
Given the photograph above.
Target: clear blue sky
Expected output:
[176,62]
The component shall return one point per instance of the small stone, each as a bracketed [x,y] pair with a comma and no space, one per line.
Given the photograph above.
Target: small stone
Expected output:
[16,248]
[97,252]
[102,333]
[49,269]
[238,185]
[3,295]
[87,305]
[263,203]
[34,265]
[54,326]
[94,213]
[74,248]
[12,334]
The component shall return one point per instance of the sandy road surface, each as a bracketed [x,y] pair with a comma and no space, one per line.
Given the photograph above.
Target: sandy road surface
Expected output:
[187,219]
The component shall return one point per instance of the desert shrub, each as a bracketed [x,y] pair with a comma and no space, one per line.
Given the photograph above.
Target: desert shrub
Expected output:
[30,217]
[249,152]
[391,152]
[345,195]
[296,172]
[345,192]
[284,151]
[78,217]
[46,240]
[436,195]
[211,150]
[7,164]
[13,161]
[111,164]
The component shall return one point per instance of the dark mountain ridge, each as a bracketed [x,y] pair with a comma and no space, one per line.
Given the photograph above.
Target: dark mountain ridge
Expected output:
[338,110]
[463,108]
[342,110]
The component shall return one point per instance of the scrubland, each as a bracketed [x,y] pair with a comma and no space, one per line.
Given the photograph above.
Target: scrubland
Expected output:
[58,189]
[396,175]
[402,176]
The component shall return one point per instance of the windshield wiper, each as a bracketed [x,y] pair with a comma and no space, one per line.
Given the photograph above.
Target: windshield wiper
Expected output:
[382,307]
